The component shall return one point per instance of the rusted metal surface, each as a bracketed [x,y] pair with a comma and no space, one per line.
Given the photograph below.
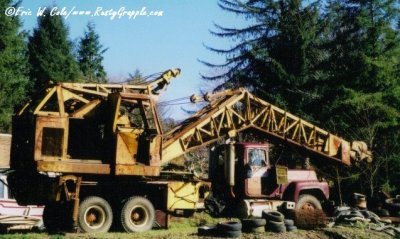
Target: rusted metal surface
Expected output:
[233,111]
[91,128]
[161,219]
[138,170]
[86,166]
[5,144]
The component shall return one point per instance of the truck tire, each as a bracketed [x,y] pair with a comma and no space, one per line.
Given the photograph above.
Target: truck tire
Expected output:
[288,222]
[253,225]
[273,216]
[95,215]
[274,226]
[230,234]
[291,228]
[253,222]
[206,231]
[308,202]
[137,215]
[229,226]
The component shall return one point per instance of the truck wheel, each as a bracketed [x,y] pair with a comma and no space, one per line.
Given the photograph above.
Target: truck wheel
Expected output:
[95,215]
[308,202]
[137,215]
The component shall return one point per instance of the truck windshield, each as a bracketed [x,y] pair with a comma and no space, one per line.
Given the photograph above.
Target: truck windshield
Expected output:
[257,157]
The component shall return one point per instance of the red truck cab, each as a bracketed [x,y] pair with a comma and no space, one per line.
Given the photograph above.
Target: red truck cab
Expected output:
[244,171]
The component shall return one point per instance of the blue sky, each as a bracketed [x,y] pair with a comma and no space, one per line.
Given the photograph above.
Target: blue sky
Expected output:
[150,43]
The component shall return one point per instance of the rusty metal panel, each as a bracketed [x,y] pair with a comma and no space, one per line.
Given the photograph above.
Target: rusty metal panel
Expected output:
[5,146]
[162,219]
[80,166]
[127,147]
[155,151]
[51,138]
[136,170]
[345,148]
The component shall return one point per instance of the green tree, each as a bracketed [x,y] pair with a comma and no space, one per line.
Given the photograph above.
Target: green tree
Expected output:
[361,95]
[50,52]
[90,56]
[277,54]
[136,78]
[13,65]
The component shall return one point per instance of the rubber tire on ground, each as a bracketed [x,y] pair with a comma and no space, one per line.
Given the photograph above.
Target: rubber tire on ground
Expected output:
[288,222]
[230,234]
[98,205]
[275,226]
[306,198]
[393,203]
[273,216]
[229,226]
[145,208]
[397,214]
[356,214]
[253,222]
[254,229]
[204,231]
[382,213]
[291,228]
[368,214]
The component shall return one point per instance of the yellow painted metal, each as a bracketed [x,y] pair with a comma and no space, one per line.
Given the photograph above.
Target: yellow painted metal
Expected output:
[75,166]
[85,92]
[137,169]
[80,101]
[233,111]
[184,195]
[59,142]
[127,148]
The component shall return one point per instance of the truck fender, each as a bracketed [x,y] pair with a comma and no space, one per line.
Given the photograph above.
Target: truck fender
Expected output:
[318,189]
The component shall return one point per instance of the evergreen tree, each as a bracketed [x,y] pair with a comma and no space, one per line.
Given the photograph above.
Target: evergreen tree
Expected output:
[13,66]
[277,55]
[90,56]
[362,93]
[50,52]
[136,78]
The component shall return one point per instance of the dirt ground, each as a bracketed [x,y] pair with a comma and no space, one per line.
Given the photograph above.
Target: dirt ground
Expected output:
[323,233]
[185,228]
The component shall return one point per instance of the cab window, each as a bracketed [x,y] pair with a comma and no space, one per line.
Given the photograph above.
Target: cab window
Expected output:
[257,157]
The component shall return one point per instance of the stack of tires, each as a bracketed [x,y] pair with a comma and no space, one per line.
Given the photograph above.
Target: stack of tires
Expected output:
[207,231]
[274,221]
[227,229]
[253,225]
[289,224]
[393,206]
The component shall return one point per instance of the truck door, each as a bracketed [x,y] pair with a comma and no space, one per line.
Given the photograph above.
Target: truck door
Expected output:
[256,168]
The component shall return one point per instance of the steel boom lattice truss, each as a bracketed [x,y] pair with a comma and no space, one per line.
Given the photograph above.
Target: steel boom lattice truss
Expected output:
[234,111]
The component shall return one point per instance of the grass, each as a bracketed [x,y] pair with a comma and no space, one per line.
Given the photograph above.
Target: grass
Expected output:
[187,228]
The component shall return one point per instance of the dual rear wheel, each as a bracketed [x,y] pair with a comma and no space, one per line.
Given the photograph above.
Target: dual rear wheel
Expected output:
[96,215]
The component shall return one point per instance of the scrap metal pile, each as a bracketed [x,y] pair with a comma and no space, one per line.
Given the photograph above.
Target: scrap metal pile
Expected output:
[384,216]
